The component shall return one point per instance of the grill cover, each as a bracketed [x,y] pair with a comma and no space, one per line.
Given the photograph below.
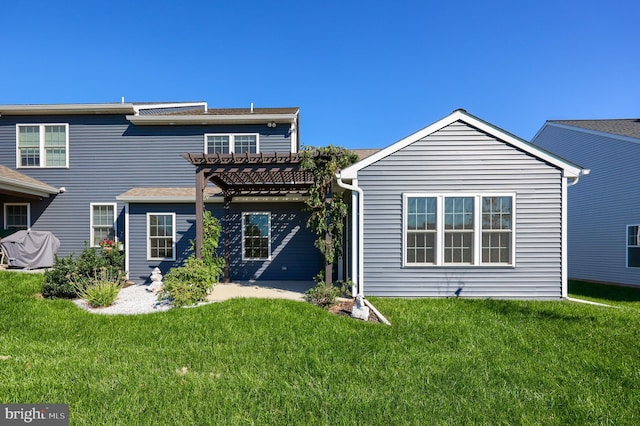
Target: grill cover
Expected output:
[30,249]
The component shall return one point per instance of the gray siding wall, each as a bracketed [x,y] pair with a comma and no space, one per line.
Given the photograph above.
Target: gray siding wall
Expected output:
[601,205]
[294,256]
[108,156]
[460,158]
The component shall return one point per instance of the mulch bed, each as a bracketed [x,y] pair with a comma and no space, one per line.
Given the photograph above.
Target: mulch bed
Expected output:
[344,308]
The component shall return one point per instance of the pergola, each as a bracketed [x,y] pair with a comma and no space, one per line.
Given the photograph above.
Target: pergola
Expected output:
[263,174]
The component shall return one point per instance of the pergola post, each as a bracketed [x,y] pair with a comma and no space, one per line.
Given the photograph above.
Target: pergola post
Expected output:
[227,238]
[201,183]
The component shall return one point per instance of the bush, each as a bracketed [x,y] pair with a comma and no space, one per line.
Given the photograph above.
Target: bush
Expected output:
[98,290]
[322,294]
[88,264]
[190,283]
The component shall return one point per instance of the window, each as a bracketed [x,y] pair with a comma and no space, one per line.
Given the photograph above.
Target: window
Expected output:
[17,216]
[458,229]
[103,223]
[225,144]
[161,236]
[256,236]
[633,246]
[42,145]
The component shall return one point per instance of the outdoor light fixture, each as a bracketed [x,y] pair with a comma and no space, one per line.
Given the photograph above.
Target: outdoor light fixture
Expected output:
[271,124]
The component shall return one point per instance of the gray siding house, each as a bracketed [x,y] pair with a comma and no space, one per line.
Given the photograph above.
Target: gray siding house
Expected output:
[460,208]
[604,225]
[89,172]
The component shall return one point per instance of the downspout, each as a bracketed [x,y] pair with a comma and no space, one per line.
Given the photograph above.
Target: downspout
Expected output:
[360,234]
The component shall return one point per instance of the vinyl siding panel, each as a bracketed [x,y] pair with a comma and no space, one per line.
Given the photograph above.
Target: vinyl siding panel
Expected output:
[108,156]
[294,256]
[601,205]
[462,159]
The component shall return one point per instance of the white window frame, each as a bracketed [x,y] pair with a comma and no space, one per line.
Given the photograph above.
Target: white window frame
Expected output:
[42,148]
[173,235]
[628,246]
[92,226]
[440,231]
[244,258]
[28,205]
[232,140]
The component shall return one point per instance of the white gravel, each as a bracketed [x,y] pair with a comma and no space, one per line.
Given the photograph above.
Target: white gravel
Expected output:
[131,300]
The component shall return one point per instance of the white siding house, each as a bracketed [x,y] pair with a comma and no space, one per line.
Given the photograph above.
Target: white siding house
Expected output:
[604,224]
[460,208]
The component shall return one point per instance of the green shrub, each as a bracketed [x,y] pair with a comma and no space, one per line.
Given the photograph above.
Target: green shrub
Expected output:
[92,260]
[100,289]
[190,283]
[322,294]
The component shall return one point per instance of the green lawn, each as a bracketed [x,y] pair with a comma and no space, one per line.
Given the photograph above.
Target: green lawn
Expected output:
[444,361]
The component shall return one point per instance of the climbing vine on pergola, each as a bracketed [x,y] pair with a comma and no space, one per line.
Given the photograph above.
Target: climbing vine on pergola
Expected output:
[328,210]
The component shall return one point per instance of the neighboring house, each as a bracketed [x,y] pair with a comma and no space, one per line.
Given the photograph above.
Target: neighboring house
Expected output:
[460,208]
[87,172]
[604,225]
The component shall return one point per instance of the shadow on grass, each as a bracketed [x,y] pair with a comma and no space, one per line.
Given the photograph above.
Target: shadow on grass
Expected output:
[604,291]
[533,310]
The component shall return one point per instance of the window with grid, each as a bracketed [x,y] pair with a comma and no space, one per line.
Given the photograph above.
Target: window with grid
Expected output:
[42,145]
[103,223]
[421,230]
[231,143]
[496,229]
[459,228]
[256,236]
[633,246]
[161,235]
[16,216]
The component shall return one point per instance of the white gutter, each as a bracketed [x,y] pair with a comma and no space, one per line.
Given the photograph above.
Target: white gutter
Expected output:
[359,275]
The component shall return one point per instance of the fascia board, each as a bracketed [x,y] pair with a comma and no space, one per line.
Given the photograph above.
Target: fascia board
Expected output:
[151,120]
[27,188]
[569,169]
[57,109]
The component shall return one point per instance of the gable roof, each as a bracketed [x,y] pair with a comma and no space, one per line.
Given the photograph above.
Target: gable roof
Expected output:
[629,127]
[570,169]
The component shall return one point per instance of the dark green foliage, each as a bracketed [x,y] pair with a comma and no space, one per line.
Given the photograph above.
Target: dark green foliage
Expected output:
[190,283]
[87,264]
[322,295]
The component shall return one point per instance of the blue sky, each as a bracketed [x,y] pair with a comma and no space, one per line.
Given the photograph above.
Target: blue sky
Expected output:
[365,74]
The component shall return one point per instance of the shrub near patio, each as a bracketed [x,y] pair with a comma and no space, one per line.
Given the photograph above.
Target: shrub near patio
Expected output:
[273,362]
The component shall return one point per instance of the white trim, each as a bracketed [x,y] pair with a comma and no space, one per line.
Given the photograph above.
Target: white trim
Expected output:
[627,246]
[91,226]
[569,169]
[42,148]
[173,235]
[564,275]
[51,109]
[195,119]
[293,135]
[6,225]
[232,141]
[440,230]
[126,239]
[138,107]
[244,258]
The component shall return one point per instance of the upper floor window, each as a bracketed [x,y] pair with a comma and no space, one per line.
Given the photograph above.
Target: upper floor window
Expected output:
[458,229]
[103,223]
[42,145]
[17,216]
[633,246]
[231,143]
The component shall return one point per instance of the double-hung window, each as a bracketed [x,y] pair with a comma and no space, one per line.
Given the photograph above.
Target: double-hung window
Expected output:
[458,229]
[42,145]
[256,236]
[161,236]
[633,246]
[231,143]
[17,215]
[103,223]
